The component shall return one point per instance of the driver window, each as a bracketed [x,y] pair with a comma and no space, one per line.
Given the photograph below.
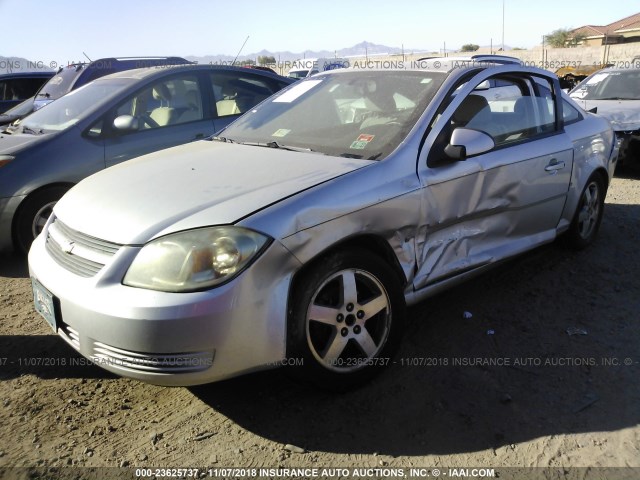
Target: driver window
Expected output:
[509,109]
[167,102]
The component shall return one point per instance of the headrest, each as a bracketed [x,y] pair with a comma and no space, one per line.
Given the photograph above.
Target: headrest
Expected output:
[161,92]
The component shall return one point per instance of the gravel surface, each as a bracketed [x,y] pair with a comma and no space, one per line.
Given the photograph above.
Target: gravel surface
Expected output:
[534,364]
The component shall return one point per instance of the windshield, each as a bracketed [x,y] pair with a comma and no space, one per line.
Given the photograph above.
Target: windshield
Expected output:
[61,83]
[614,85]
[70,109]
[22,108]
[356,114]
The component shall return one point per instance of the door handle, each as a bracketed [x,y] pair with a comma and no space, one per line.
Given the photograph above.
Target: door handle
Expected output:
[553,166]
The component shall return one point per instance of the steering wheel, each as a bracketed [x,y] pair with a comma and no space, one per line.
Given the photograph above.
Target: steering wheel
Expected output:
[149,121]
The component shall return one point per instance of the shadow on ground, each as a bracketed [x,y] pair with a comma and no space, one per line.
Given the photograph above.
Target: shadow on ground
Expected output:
[562,324]
[45,356]
[13,266]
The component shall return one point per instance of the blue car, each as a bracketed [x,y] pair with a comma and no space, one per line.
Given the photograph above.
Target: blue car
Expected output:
[18,86]
[76,75]
[108,121]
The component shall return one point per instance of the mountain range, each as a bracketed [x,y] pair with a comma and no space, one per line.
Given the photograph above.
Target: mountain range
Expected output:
[8,64]
[359,50]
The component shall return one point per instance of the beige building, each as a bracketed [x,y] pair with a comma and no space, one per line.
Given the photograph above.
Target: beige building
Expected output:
[625,30]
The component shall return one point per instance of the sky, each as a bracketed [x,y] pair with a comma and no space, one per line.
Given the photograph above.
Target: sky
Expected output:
[60,31]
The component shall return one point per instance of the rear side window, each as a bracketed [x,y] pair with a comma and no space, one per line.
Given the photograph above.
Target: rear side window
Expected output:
[19,88]
[235,93]
[570,114]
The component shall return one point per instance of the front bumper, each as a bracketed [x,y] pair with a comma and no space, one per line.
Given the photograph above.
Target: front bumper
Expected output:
[172,339]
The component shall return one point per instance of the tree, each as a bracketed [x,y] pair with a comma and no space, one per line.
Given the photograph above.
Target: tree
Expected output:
[266,59]
[469,47]
[563,37]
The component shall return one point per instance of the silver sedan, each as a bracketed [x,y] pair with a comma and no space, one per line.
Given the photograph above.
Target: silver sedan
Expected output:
[302,231]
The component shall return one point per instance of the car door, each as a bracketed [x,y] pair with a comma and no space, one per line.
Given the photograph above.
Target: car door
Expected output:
[482,208]
[168,112]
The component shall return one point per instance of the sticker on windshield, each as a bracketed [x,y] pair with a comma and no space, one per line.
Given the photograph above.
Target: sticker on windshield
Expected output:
[365,137]
[362,141]
[281,132]
[296,91]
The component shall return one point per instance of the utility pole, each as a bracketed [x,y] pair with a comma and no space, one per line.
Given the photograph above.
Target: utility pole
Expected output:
[503,25]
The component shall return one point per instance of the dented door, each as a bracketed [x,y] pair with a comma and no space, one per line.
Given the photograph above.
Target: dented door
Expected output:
[483,209]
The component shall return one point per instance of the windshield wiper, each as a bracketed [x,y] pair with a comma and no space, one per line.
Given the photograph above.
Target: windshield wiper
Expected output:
[218,138]
[43,95]
[26,129]
[616,98]
[274,144]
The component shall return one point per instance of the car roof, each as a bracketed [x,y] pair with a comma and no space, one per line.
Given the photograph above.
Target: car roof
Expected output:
[142,73]
[170,60]
[453,65]
[447,64]
[45,74]
[618,69]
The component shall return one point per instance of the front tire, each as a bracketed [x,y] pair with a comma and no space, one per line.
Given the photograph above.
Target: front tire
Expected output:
[345,321]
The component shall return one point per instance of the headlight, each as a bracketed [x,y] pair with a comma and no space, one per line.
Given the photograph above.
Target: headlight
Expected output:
[195,259]
[4,159]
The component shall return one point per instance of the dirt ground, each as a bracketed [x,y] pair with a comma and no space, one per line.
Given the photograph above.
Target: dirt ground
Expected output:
[544,373]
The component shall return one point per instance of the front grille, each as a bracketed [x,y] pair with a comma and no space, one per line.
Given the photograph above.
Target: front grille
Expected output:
[151,362]
[79,253]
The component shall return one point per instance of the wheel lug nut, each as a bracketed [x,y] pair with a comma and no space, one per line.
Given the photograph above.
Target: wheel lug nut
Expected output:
[340,318]
[360,314]
[357,329]
[350,307]
[344,332]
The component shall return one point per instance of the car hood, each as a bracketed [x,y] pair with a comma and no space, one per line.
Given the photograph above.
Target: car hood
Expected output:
[13,143]
[199,184]
[623,114]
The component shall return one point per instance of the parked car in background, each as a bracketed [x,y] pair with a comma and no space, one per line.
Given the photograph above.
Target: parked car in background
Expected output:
[75,75]
[571,76]
[302,230]
[470,59]
[17,87]
[110,120]
[310,66]
[17,112]
[614,93]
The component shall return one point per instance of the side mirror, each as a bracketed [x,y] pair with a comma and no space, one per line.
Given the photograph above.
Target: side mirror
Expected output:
[125,123]
[483,86]
[465,143]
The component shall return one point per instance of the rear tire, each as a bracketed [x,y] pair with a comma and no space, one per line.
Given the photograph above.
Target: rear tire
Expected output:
[345,320]
[33,214]
[586,221]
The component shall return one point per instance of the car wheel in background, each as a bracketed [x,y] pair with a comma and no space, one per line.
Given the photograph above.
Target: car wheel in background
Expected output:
[33,214]
[345,320]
